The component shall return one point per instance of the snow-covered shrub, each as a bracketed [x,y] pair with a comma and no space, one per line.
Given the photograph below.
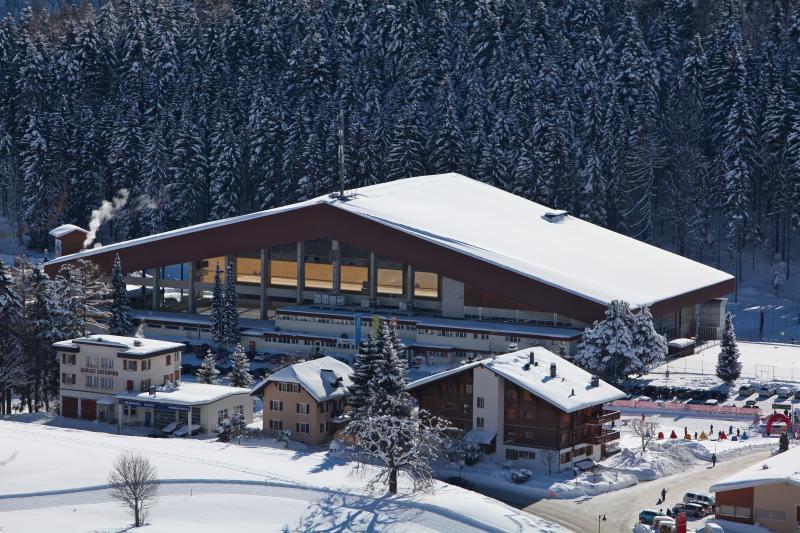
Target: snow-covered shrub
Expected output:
[521,476]
[458,450]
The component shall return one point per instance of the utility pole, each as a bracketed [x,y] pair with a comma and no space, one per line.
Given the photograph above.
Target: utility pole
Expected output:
[341,153]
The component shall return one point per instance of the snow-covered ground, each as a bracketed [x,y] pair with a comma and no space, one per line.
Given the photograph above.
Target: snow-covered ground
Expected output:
[667,456]
[254,485]
[766,362]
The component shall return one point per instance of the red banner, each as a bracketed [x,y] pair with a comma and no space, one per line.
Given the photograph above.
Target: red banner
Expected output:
[680,523]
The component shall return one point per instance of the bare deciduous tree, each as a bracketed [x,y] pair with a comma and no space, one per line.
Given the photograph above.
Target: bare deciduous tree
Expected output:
[549,457]
[645,430]
[134,484]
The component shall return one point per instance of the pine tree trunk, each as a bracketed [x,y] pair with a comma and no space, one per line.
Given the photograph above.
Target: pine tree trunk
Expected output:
[393,481]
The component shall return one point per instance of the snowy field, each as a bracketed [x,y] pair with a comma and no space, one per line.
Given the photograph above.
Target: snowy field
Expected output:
[251,486]
[764,362]
[672,456]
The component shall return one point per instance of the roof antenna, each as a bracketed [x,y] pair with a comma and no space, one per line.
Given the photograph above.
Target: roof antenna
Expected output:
[340,193]
[341,152]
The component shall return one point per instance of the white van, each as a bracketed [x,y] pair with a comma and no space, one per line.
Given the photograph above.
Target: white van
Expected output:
[701,497]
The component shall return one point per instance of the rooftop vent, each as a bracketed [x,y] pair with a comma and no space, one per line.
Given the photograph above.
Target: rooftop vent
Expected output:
[556,217]
[572,393]
[137,342]
[553,372]
[595,381]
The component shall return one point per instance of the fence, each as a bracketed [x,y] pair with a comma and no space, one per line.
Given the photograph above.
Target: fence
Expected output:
[688,408]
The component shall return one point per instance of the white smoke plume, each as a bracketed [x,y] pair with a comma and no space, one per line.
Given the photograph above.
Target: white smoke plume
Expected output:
[106,212]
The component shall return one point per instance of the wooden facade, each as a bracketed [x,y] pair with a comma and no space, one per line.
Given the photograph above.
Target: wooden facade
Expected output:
[449,398]
[528,420]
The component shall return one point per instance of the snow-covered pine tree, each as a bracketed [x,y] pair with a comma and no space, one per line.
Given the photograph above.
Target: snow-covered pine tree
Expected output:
[728,366]
[389,380]
[230,313]
[119,319]
[12,360]
[217,309]
[240,375]
[365,367]
[607,348]
[207,373]
[649,347]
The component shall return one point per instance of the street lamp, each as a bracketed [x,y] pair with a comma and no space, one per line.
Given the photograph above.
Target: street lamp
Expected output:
[600,519]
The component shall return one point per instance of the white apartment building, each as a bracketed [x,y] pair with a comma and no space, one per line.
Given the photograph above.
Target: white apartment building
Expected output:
[135,381]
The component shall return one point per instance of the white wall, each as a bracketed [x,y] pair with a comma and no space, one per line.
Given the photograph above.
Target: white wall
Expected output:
[452,298]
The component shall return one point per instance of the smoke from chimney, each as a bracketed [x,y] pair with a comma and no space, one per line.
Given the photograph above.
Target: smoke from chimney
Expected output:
[106,212]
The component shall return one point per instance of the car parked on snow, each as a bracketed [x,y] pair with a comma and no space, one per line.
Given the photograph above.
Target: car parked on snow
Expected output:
[696,509]
[797,394]
[784,393]
[766,391]
[746,390]
[701,498]
[750,403]
[646,516]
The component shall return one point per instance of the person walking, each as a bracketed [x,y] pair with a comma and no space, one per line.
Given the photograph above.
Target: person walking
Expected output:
[713,460]
[663,495]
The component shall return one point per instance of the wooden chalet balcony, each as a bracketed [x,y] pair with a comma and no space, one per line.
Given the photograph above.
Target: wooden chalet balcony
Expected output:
[605,418]
[604,436]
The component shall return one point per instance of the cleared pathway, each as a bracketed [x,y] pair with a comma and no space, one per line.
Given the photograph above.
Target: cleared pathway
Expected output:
[621,508]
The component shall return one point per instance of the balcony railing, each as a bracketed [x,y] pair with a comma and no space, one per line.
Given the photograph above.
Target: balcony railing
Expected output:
[605,418]
[604,436]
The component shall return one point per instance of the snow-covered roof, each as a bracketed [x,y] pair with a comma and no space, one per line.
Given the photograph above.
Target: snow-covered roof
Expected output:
[480,436]
[571,389]
[124,345]
[324,379]
[187,394]
[783,468]
[508,231]
[65,229]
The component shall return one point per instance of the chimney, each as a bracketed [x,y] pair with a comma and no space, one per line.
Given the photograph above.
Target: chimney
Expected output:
[553,370]
[572,393]
[137,342]
[595,382]
[532,358]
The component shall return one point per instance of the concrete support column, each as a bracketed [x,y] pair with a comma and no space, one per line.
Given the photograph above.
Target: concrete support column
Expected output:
[336,263]
[408,284]
[189,423]
[301,270]
[156,288]
[192,305]
[372,281]
[265,277]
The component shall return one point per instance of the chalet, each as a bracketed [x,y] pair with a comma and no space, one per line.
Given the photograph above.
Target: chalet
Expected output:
[306,399]
[530,406]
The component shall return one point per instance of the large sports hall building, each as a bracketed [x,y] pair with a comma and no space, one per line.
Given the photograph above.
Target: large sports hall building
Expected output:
[465,268]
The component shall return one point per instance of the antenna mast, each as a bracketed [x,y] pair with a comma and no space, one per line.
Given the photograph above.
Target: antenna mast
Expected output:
[341,153]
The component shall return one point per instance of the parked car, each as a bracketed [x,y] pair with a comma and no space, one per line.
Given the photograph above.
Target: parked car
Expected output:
[261,358]
[647,516]
[696,509]
[746,390]
[784,393]
[700,497]
[683,393]
[750,403]
[797,394]
[766,391]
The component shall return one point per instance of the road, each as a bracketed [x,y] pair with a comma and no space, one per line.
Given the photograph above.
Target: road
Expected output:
[621,508]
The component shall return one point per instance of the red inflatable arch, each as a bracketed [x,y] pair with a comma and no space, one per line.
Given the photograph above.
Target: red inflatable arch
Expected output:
[778,417]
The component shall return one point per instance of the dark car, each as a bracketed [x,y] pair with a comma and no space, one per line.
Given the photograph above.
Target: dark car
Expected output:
[797,394]
[683,393]
[750,403]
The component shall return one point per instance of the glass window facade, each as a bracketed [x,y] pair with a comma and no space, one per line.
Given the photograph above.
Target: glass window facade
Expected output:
[355,269]
[205,268]
[390,278]
[283,265]
[426,285]
[318,265]
[248,268]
